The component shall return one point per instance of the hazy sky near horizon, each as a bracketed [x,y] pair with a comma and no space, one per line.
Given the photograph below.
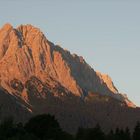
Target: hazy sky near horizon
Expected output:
[105,32]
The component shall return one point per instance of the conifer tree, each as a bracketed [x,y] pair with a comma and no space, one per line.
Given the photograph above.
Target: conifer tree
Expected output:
[136,133]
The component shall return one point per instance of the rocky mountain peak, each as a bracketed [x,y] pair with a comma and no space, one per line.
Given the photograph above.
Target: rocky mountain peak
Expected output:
[29,34]
[37,76]
[6,27]
[4,38]
[25,52]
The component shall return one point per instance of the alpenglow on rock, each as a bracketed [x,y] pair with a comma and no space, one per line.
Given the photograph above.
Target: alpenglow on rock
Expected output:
[25,51]
[42,77]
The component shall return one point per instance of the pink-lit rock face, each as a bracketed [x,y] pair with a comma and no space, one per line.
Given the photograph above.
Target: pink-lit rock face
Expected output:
[25,51]
[35,71]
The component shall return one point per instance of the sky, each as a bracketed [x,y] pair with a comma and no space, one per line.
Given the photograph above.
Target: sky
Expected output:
[105,32]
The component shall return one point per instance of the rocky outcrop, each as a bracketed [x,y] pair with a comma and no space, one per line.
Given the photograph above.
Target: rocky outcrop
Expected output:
[17,85]
[108,81]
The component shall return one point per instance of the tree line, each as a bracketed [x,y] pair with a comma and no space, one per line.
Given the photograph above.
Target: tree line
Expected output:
[46,127]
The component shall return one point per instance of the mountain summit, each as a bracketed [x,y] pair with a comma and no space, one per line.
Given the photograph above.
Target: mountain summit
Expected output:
[37,76]
[26,52]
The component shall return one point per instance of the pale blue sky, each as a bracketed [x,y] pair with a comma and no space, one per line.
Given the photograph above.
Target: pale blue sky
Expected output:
[105,32]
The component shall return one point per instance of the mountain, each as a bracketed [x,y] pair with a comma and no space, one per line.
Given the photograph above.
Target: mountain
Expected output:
[37,76]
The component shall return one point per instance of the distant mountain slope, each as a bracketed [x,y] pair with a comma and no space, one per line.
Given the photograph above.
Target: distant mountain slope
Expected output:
[45,78]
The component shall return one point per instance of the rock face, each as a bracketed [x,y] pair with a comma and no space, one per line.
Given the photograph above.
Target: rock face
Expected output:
[45,78]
